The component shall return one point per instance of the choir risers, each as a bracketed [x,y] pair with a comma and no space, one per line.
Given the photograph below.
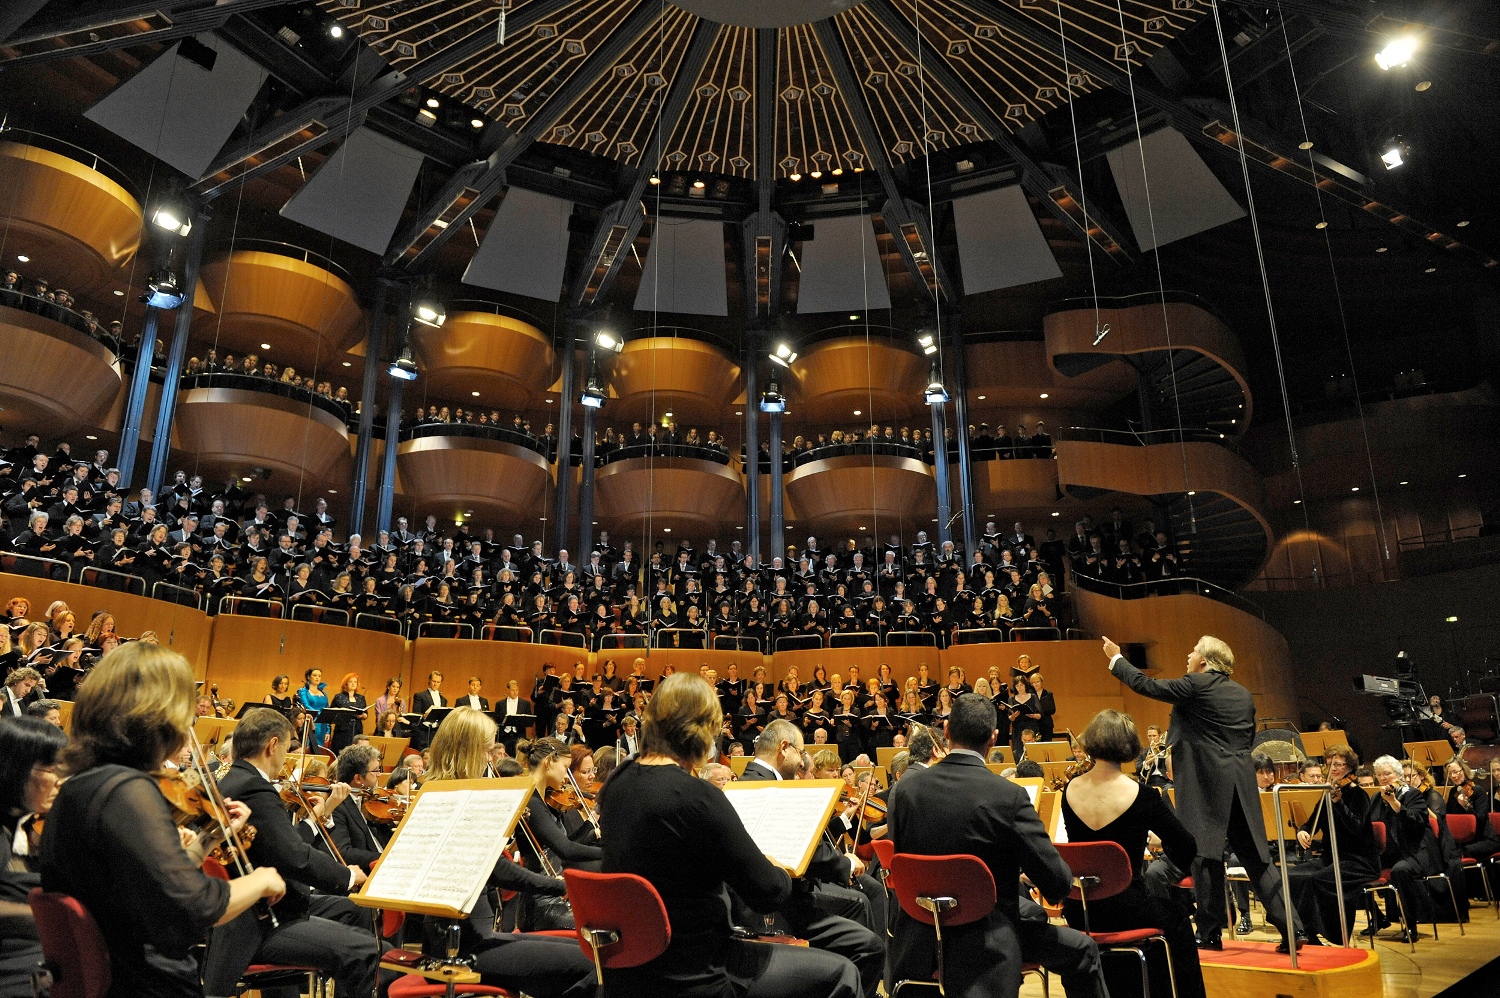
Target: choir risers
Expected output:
[501,358]
[54,378]
[683,494]
[232,429]
[883,494]
[498,480]
[78,226]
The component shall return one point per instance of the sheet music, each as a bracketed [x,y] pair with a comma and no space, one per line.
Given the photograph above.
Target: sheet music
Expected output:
[783,820]
[447,847]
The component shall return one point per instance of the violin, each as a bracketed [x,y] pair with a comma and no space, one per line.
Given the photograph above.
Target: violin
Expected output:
[1072,772]
[383,807]
[1337,793]
[197,811]
[872,809]
[565,798]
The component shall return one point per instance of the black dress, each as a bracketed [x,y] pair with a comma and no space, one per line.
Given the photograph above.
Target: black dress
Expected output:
[110,837]
[18,955]
[343,734]
[1135,907]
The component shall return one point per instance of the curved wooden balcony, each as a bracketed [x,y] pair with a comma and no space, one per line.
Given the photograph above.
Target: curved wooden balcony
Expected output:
[1214,497]
[833,378]
[689,495]
[78,224]
[1011,375]
[656,375]
[448,472]
[877,492]
[308,314]
[55,377]
[1005,485]
[233,425]
[1191,363]
[507,361]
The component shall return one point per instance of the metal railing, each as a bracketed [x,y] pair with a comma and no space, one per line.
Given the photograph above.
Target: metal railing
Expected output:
[568,639]
[619,642]
[444,629]
[249,606]
[910,639]
[288,250]
[96,330]
[269,386]
[180,595]
[1035,634]
[108,578]
[736,642]
[486,431]
[29,564]
[506,632]
[1147,438]
[627,452]
[315,614]
[978,635]
[1181,585]
[75,152]
[692,634]
[798,642]
[377,622]
[854,639]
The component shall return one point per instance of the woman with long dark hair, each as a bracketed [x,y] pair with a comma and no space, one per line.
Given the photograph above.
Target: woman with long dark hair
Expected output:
[29,776]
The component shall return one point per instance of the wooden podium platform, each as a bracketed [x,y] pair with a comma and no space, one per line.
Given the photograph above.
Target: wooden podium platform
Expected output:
[1255,970]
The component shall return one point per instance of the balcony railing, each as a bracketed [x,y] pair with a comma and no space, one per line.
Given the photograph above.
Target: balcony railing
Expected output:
[1181,585]
[627,452]
[478,431]
[269,386]
[87,325]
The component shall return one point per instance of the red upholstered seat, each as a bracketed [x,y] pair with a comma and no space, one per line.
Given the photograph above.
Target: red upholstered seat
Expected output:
[1102,870]
[621,920]
[941,891]
[72,945]
[1126,938]
[417,986]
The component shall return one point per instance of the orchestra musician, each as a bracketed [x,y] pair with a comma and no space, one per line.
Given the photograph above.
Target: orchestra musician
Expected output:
[29,778]
[324,930]
[547,761]
[110,834]
[660,817]
[1411,850]
[1213,724]
[959,807]
[1313,887]
[358,768]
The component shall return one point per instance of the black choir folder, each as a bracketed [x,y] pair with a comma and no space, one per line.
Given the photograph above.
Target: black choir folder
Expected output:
[786,818]
[439,861]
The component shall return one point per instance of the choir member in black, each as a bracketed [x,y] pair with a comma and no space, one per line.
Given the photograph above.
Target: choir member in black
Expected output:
[1025,710]
[1036,612]
[753,623]
[816,716]
[1045,703]
[542,966]
[848,622]
[975,617]
[696,634]
[725,624]
[1105,805]
[601,624]
[1313,885]
[350,697]
[957,685]
[876,618]
[879,725]
[731,687]
[29,778]
[784,623]
[665,616]
[547,760]
[819,679]
[750,720]
[259,584]
[781,709]
[110,834]
[847,732]
[942,708]
[659,815]
[539,616]
[907,619]
[938,623]
[911,713]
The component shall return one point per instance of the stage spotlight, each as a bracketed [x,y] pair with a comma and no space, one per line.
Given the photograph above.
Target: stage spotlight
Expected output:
[162,290]
[928,343]
[593,396]
[404,367]
[935,393]
[174,215]
[1394,154]
[771,400]
[783,355]
[429,312]
[1397,53]
[336,31]
[699,185]
[608,341]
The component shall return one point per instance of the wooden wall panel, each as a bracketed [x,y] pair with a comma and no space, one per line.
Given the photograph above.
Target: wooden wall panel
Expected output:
[248,652]
[236,429]
[846,493]
[183,629]
[1011,375]
[833,378]
[82,224]
[656,375]
[682,494]
[54,378]
[504,359]
[447,475]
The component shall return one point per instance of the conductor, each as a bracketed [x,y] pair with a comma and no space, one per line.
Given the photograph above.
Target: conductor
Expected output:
[1213,725]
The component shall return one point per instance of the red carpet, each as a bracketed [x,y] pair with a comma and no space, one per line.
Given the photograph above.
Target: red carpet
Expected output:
[1263,956]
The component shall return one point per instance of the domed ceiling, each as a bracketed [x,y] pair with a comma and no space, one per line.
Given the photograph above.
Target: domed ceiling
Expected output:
[836,76]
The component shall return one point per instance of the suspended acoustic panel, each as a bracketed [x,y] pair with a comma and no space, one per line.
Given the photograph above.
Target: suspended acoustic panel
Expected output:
[1185,198]
[358,193]
[525,251]
[179,111]
[841,268]
[1000,244]
[685,269]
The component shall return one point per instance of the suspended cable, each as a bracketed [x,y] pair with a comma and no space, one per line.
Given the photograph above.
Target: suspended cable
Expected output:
[864,277]
[1083,194]
[1338,292]
[1265,280]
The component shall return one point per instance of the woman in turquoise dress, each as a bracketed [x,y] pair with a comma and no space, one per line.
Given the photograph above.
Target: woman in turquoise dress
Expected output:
[313,695]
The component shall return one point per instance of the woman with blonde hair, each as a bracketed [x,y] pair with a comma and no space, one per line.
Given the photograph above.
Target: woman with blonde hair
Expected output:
[110,834]
[660,815]
[543,966]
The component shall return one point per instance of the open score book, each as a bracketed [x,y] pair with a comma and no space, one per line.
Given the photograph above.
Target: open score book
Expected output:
[786,819]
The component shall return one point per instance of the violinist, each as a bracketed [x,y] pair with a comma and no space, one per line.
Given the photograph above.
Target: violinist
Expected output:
[29,778]
[313,929]
[1412,851]
[584,772]
[1481,798]
[110,833]
[543,840]
[1359,860]
[358,768]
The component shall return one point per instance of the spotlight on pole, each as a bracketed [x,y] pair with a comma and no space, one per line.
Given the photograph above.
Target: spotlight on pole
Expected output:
[163,291]
[1397,53]
[1394,154]
[771,400]
[173,214]
[404,367]
[783,355]
[928,343]
[609,341]
[935,393]
[429,312]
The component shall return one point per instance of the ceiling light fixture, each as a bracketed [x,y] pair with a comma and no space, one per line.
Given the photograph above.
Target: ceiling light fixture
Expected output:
[404,367]
[699,185]
[795,176]
[475,394]
[433,103]
[429,312]
[162,291]
[1394,154]
[476,122]
[336,31]
[1305,145]
[655,179]
[858,412]
[1423,86]
[1320,225]
[119,293]
[1406,483]
[174,214]
[928,343]
[1463,224]
[816,174]
[265,346]
[348,363]
[608,341]
[783,355]
[1044,394]
[980,397]
[1396,53]
[838,171]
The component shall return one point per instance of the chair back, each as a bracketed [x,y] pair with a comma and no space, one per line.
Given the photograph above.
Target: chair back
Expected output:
[1463,827]
[1100,869]
[960,887]
[72,944]
[1432,823]
[1378,827]
[621,920]
[885,851]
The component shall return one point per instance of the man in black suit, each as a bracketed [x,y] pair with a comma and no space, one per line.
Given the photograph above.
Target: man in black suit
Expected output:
[472,698]
[358,768]
[958,807]
[825,887]
[1213,725]
[514,704]
[427,700]
[318,930]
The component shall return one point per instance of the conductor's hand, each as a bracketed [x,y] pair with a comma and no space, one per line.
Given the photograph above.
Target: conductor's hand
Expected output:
[1110,649]
[1304,839]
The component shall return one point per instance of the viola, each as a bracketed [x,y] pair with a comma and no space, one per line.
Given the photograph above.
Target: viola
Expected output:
[196,810]
[383,807]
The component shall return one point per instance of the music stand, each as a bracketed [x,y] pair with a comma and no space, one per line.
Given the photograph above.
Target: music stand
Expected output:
[250,705]
[434,717]
[335,716]
[518,722]
[392,750]
[212,730]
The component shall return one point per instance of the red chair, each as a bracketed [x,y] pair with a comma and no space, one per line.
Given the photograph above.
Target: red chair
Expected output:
[885,851]
[1432,823]
[621,920]
[417,986]
[71,944]
[945,890]
[259,976]
[1102,870]
[1465,829]
[1382,885]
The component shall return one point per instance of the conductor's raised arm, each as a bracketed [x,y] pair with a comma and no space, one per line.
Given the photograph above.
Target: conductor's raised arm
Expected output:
[1168,691]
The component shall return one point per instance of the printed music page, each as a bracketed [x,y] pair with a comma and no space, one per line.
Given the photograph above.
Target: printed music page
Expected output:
[440,858]
[786,819]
